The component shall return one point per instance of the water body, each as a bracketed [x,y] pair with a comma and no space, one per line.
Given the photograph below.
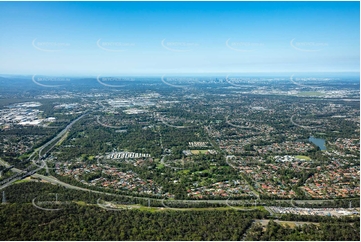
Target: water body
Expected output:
[319,142]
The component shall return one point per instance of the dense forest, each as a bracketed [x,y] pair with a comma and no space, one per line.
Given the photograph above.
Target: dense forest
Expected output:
[80,222]
[323,232]
[81,219]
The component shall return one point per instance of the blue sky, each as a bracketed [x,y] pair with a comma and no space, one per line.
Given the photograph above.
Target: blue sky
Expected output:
[140,38]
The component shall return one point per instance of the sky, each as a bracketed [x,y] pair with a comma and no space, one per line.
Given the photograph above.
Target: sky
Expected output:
[145,38]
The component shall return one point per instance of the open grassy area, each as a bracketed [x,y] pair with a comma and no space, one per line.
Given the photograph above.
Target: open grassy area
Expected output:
[290,224]
[81,203]
[23,180]
[183,172]
[62,139]
[197,152]
[160,166]
[303,157]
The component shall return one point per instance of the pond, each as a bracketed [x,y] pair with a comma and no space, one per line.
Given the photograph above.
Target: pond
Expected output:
[319,142]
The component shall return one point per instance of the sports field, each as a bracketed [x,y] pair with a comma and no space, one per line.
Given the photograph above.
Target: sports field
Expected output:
[302,157]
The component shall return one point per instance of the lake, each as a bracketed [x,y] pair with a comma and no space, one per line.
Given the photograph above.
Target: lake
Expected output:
[319,142]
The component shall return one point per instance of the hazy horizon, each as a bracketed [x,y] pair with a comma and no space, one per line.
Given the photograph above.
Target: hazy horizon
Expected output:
[156,38]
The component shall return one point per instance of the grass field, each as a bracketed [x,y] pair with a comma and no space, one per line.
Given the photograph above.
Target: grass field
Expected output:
[197,152]
[303,157]
[183,172]
[290,224]
[27,179]
[82,203]
[62,139]
[160,166]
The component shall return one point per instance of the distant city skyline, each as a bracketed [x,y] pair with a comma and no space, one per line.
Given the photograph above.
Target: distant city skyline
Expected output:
[155,38]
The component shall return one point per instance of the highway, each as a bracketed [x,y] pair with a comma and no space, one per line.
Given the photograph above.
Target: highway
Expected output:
[60,134]
[21,173]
